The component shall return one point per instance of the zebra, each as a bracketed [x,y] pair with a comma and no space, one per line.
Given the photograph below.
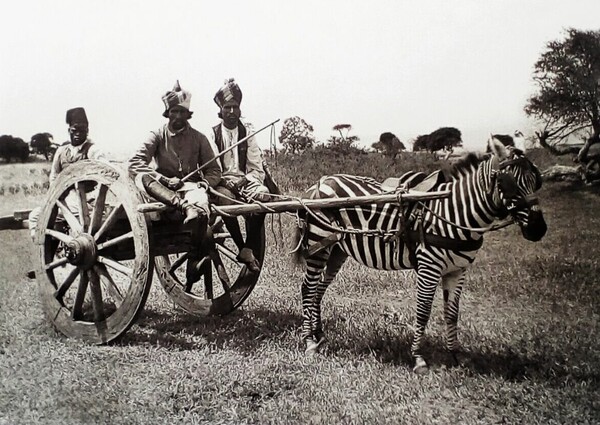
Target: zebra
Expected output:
[439,238]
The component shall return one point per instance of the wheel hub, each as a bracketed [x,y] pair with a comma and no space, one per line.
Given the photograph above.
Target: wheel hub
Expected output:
[82,251]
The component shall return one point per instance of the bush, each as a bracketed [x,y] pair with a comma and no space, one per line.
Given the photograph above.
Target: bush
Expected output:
[13,148]
[297,172]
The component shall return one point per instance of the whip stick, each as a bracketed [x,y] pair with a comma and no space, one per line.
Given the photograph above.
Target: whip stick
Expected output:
[219,155]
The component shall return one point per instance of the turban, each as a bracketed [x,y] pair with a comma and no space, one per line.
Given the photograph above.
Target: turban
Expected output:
[76,116]
[175,97]
[229,91]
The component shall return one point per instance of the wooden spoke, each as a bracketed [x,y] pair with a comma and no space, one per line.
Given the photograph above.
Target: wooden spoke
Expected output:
[118,239]
[76,313]
[110,220]
[84,213]
[96,290]
[98,209]
[72,221]
[208,283]
[56,263]
[112,287]
[64,287]
[63,237]
[178,262]
[222,235]
[115,266]
[221,271]
[227,252]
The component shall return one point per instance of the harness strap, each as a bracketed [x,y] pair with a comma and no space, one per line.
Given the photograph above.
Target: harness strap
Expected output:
[325,243]
[444,242]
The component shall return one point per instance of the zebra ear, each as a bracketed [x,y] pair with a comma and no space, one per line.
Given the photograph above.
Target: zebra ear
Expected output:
[497,148]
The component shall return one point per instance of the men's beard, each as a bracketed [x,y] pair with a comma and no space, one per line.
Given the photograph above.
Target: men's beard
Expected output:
[178,125]
[230,123]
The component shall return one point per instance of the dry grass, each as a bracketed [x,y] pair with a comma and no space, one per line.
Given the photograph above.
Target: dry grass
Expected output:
[528,329]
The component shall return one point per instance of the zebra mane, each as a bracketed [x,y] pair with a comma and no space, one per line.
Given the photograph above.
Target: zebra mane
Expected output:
[465,164]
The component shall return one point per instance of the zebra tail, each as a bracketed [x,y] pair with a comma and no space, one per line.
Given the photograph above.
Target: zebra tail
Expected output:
[299,251]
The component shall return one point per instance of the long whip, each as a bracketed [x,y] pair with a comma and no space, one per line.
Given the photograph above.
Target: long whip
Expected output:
[219,155]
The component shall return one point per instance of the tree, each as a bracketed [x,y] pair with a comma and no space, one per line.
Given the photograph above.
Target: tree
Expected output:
[342,143]
[420,143]
[13,148]
[41,143]
[446,138]
[567,102]
[296,135]
[389,145]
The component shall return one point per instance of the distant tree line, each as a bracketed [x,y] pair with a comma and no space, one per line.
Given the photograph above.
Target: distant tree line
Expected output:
[297,136]
[16,149]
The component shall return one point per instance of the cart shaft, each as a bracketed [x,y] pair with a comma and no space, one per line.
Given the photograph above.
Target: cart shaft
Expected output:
[292,205]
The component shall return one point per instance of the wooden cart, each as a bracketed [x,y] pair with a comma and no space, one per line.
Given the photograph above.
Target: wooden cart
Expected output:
[98,244]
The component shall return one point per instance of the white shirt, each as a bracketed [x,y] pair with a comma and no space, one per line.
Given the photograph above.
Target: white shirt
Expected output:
[231,160]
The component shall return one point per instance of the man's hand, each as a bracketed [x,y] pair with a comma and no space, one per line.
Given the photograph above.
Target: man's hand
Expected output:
[172,183]
[236,185]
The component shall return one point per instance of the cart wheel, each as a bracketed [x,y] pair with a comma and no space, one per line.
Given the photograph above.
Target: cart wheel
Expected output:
[225,283]
[94,270]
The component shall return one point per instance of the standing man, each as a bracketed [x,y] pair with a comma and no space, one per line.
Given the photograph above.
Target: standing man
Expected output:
[177,150]
[243,174]
[79,148]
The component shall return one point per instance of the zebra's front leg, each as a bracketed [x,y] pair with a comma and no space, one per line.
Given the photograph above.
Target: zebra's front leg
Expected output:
[428,279]
[452,285]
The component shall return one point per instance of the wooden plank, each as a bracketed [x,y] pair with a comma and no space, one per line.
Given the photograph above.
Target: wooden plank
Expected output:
[21,215]
[9,223]
[295,204]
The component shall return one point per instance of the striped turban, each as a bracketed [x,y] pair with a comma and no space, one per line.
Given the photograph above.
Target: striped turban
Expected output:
[229,91]
[176,97]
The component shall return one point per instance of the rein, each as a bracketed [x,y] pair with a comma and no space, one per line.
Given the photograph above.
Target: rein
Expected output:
[492,227]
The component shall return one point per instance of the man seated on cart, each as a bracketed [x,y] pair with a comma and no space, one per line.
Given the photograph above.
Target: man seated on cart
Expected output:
[243,173]
[178,150]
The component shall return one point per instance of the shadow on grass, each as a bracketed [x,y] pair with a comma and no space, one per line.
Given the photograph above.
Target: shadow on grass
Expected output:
[248,330]
[179,330]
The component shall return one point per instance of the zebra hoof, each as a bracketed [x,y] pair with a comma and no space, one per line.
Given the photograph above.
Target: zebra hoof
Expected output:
[313,347]
[420,366]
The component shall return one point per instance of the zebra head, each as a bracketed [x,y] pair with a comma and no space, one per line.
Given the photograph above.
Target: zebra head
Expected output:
[516,181]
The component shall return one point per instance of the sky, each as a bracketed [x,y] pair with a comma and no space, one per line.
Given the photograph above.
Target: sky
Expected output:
[408,67]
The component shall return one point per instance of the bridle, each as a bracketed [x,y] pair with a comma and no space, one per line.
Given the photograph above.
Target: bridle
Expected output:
[500,179]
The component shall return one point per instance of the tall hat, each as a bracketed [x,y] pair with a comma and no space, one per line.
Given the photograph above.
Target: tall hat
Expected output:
[229,91]
[76,116]
[175,97]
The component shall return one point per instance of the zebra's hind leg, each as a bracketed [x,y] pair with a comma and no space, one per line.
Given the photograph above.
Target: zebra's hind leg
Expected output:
[315,265]
[333,263]
[428,278]
[452,285]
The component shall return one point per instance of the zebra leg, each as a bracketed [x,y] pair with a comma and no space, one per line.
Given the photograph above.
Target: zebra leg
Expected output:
[428,279]
[334,263]
[310,307]
[452,285]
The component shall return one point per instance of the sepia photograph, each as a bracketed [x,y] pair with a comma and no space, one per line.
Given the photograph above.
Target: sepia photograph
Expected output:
[309,212]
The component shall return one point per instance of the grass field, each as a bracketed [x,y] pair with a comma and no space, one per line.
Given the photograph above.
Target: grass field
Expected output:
[529,326]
